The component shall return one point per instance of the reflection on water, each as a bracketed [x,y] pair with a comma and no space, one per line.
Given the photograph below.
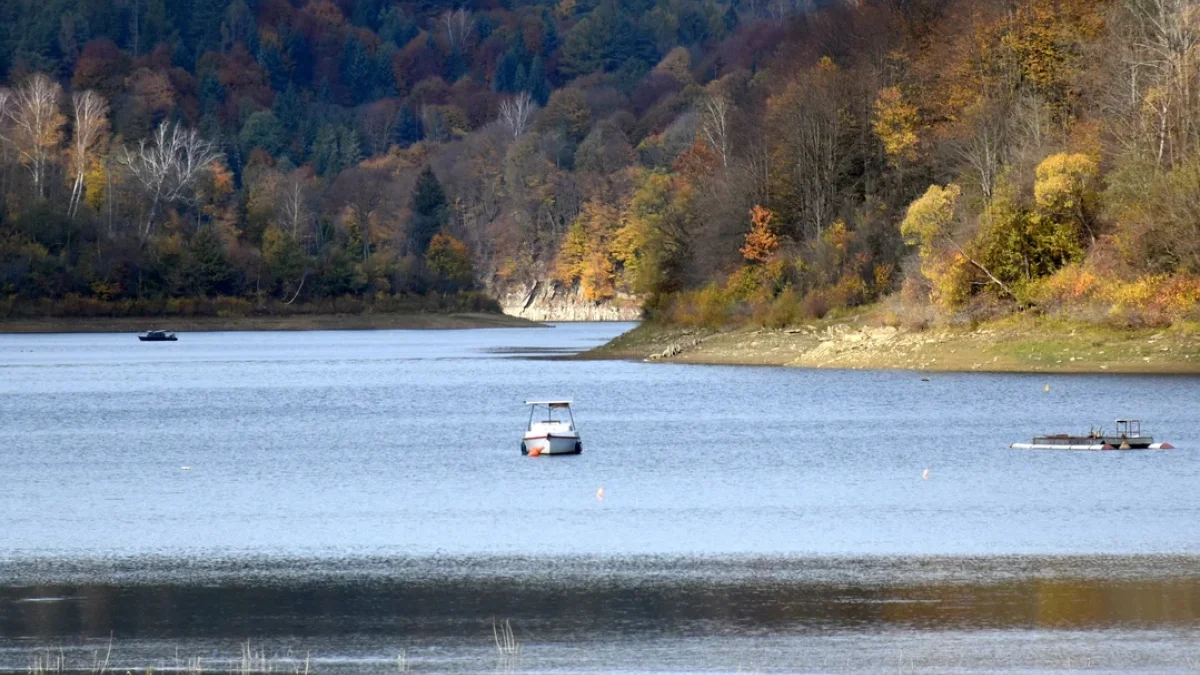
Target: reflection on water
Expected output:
[359,497]
[630,614]
[431,597]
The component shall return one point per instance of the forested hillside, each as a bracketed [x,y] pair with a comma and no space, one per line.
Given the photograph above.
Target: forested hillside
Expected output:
[750,160]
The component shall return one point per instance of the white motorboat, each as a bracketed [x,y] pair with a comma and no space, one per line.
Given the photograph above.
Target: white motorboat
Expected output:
[553,435]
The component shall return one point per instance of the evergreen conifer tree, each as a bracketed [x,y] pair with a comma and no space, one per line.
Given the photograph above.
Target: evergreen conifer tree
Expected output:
[429,212]
[409,129]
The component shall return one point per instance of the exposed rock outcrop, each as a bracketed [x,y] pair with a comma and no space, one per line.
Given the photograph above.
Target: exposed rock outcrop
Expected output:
[549,301]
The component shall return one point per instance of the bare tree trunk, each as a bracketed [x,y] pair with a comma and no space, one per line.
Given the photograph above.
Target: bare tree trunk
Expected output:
[714,126]
[516,114]
[91,118]
[167,167]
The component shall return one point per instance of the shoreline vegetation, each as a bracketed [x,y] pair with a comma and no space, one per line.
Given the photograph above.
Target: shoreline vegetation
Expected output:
[296,322]
[1017,344]
[430,311]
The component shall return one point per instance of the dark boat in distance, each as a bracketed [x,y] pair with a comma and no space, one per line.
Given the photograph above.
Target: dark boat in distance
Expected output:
[157,336]
[1128,436]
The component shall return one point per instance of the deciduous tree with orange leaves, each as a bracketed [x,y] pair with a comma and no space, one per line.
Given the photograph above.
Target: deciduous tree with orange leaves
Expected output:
[761,241]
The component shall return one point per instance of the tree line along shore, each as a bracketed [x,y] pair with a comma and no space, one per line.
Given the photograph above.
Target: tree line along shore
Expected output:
[739,165]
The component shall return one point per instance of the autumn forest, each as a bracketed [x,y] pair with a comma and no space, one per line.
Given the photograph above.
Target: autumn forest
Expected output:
[731,161]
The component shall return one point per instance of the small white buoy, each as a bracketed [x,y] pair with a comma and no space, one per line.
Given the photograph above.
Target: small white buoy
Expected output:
[1047,388]
[600,494]
[925,475]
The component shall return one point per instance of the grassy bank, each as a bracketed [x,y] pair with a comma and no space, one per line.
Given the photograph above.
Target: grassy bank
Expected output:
[254,323]
[1014,344]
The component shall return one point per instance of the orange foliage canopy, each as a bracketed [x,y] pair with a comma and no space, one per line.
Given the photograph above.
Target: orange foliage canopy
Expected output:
[761,240]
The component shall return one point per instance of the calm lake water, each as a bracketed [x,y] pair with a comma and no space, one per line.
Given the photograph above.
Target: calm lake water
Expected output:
[358,496]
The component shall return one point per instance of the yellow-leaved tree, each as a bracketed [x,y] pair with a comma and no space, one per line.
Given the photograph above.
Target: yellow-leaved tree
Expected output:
[896,123]
[1068,189]
[450,259]
[572,253]
[655,235]
[599,274]
[927,225]
[586,255]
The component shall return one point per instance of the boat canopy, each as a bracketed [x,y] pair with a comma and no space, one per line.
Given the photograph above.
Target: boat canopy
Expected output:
[1131,427]
[552,404]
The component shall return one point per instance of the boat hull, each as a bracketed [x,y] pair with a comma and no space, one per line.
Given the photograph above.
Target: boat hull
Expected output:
[1087,442]
[169,339]
[1087,446]
[551,444]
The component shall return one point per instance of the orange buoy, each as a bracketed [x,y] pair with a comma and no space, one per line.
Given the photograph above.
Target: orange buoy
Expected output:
[535,451]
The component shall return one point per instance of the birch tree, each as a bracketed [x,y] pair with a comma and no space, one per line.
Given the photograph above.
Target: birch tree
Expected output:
[165,167]
[91,120]
[458,25]
[294,208]
[714,126]
[516,114]
[31,122]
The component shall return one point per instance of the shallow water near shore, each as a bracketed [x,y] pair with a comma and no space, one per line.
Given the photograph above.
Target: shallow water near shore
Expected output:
[351,497]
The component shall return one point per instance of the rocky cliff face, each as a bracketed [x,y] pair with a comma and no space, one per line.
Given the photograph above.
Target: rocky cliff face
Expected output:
[549,301]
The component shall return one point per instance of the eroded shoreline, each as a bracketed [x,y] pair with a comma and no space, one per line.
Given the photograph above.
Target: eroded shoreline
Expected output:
[1014,345]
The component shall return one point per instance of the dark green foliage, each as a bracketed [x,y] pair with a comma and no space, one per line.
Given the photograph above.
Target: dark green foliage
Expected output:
[239,26]
[604,40]
[549,34]
[589,46]
[396,27]
[207,271]
[204,25]
[263,130]
[301,57]
[271,59]
[335,149]
[693,26]
[289,108]
[429,210]
[535,82]
[368,13]
[383,81]
[358,71]
[349,147]
[505,79]
[730,18]
[409,129]
[212,94]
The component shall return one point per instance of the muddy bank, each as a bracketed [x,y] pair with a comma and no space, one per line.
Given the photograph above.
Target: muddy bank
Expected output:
[1019,344]
[255,323]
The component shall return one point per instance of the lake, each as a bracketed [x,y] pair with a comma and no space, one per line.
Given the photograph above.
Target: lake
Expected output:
[359,499]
